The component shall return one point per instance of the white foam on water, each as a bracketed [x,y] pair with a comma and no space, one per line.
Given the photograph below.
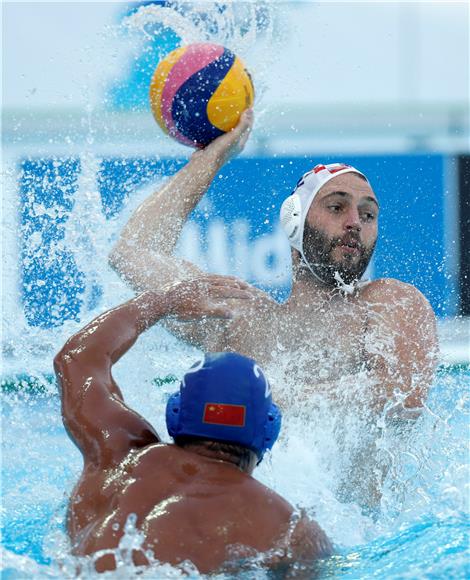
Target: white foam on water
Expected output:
[427,471]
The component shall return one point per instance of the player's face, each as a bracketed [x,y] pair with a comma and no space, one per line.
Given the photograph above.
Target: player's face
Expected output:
[341,228]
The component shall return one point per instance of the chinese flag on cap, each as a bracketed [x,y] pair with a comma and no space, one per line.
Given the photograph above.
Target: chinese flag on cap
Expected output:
[223,414]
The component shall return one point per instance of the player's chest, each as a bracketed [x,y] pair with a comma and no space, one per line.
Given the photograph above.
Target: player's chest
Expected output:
[321,336]
[322,329]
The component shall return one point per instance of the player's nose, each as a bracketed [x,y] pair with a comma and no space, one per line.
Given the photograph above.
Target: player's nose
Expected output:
[352,220]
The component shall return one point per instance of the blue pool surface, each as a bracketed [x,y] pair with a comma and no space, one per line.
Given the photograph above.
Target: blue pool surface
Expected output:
[427,537]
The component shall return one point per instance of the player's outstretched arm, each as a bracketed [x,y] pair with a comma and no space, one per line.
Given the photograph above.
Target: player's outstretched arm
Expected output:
[143,255]
[93,408]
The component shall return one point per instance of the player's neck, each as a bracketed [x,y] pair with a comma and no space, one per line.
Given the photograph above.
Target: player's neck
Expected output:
[307,288]
[219,456]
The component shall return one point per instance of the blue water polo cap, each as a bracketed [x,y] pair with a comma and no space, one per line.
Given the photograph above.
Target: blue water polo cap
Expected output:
[225,397]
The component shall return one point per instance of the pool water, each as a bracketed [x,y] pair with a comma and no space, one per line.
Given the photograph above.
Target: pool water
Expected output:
[411,524]
[420,528]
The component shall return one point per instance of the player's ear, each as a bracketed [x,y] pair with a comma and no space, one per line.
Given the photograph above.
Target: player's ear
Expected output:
[253,463]
[297,263]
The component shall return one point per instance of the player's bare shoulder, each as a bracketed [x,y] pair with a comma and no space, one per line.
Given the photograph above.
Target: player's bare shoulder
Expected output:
[261,302]
[400,310]
[252,327]
[258,310]
[303,544]
[308,540]
[392,292]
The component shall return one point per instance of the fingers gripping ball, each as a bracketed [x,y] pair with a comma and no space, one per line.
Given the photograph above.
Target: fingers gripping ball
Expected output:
[198,93]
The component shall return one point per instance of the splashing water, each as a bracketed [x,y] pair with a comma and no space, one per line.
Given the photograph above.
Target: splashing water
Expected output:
[233,24]
[393,498]
[423,506]
[249,29]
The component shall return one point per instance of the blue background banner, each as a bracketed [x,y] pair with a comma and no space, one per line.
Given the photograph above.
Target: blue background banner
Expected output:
[235,228]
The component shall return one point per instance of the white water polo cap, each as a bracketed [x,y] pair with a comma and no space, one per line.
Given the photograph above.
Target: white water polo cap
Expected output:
[295,208]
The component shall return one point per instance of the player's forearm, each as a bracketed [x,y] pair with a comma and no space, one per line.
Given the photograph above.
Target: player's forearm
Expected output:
[104,340]
[403,383]
[154,229]
[157,223]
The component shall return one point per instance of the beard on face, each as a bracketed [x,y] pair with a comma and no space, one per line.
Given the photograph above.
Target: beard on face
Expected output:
[318,251]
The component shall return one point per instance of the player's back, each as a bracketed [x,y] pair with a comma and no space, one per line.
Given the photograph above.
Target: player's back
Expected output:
[189,507]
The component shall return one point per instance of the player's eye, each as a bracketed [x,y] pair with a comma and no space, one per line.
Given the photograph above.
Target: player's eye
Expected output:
[335,208]
[368,216]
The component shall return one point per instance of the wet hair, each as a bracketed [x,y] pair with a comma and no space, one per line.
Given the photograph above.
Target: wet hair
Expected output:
[241,456]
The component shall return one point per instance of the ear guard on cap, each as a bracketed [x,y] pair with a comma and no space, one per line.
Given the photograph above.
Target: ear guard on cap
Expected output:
[272,427]
[291,219]
[173,413]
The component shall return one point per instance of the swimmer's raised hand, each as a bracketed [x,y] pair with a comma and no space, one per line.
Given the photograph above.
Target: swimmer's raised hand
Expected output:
[231,143]
[207,296]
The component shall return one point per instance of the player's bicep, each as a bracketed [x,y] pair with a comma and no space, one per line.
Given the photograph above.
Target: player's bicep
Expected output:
[145,269]
[402,343]
[97,419]
[416,350]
